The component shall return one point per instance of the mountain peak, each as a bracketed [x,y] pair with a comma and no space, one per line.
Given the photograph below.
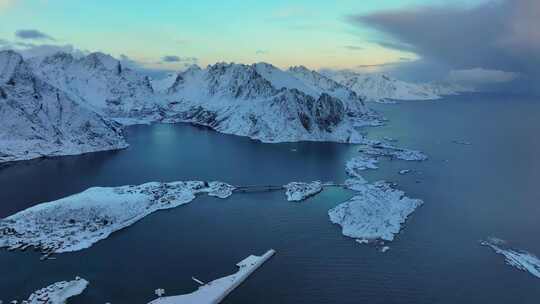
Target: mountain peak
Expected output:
[9,56]
[300,68]
[99,59]
[265,65]
[193,68]
[59,57]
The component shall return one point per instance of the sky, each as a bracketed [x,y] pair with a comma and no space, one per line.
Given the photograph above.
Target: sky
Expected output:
[473,40]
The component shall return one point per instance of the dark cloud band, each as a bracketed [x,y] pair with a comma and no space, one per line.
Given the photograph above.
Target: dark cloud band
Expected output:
[499,35]
[32,35]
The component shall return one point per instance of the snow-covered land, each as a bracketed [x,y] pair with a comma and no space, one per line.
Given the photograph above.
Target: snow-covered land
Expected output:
[376,212]
[61,104]
[383,88]
[297,191]
[391,151]
[519,259]
[265,103]
[78,221]
[259,101]
[58,293]
[355,165]
[37,119]
[215,291]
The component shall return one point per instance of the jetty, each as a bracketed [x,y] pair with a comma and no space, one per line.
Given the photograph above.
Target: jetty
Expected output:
[258,188]
[215,291]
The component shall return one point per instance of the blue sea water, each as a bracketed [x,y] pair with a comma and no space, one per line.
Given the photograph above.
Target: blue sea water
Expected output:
[488,188]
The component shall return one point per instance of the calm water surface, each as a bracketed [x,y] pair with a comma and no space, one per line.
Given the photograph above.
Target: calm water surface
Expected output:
[489,188]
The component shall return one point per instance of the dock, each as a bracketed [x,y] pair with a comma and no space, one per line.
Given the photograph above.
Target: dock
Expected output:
[258,188]
[214,292]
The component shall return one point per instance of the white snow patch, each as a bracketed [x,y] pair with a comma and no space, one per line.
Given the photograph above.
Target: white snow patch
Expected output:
[357,182]
[360,163]
[386,150]
[297,191]
[58,293]
[164,84]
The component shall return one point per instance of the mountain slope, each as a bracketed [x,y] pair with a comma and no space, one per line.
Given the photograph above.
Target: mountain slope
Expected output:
[323,83]
[37,119]
[102,83]
[262,102]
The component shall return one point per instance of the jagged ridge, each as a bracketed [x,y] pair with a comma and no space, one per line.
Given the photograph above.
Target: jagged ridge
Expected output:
[37,119]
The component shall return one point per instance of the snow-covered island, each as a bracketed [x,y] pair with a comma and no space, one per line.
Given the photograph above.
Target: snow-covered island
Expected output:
[376,212]
[297,191]
[78,221]
[215,291]
[519,259]
[58,293]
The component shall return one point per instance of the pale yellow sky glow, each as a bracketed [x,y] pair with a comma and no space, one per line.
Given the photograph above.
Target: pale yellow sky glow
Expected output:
[311,33]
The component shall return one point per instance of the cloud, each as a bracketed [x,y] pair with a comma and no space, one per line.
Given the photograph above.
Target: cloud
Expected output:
[353,48]
[396,45]
[481,76]
[33,35]
[126,61]
[261,52]
[29,50]
[499,35]
[170,59]
[178,59]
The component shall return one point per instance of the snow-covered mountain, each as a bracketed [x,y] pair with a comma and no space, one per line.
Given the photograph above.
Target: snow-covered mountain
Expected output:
[265,103]
[163,84]
[38,119]
[102,83]
[381,87]
[322,83]
[60,104]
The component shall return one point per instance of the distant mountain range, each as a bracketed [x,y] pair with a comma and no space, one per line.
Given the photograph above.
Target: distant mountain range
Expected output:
[60,105]
[383,88]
